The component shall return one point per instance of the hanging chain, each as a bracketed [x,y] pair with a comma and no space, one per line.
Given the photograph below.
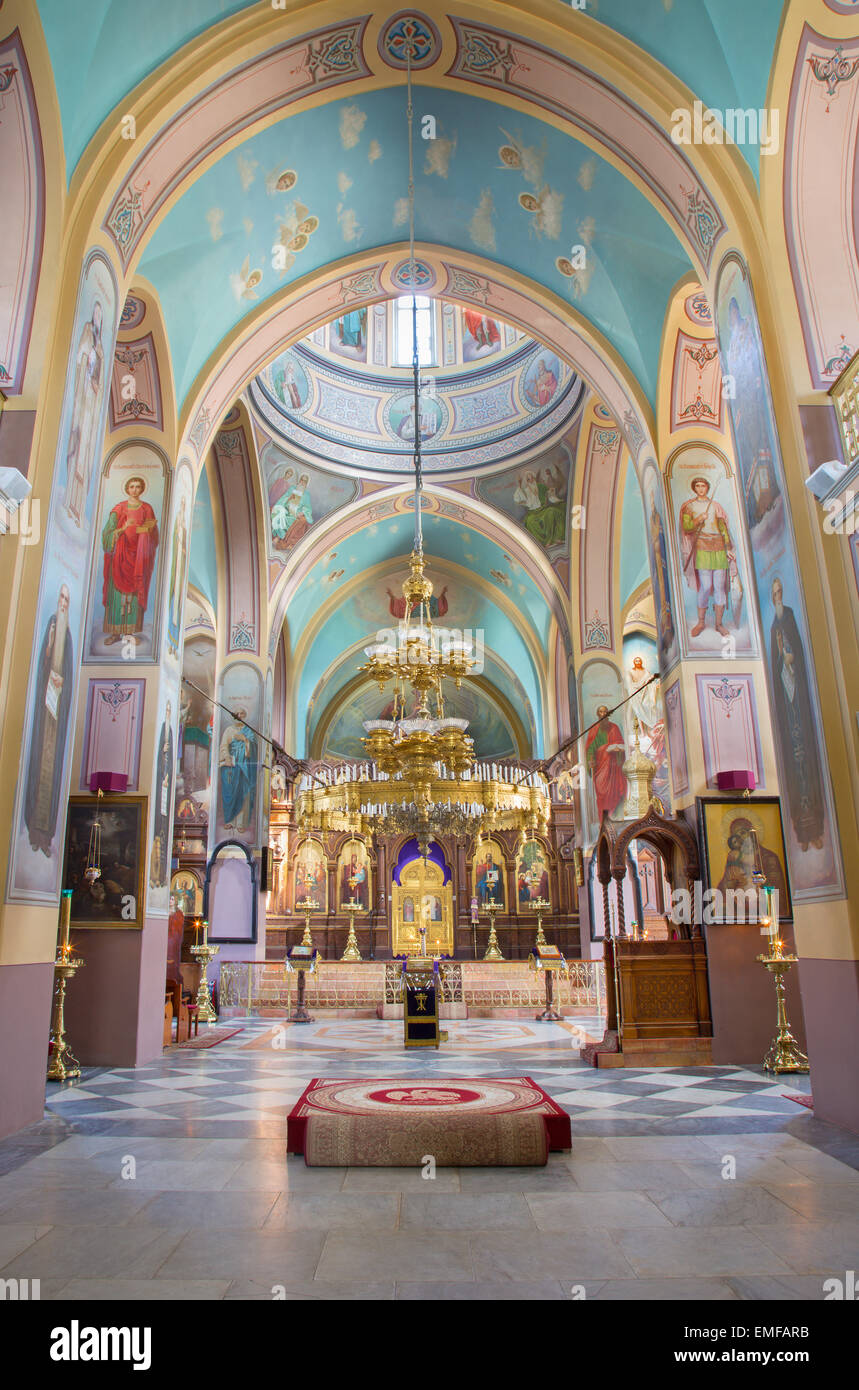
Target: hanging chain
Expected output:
[416,369]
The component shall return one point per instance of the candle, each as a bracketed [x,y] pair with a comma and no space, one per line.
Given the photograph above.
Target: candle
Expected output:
[205,933]
[65,920]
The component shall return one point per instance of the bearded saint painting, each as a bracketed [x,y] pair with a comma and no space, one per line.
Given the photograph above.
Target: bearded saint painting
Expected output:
[130,542]
[794,724]
[605,753]
[54,689]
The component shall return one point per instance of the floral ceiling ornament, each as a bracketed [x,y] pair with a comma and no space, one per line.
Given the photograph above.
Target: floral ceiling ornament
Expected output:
[833,69]
[596,632]
[409,34]
[115,698]
[726,694]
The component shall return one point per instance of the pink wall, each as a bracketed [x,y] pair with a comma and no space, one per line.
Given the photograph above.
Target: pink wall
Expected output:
[742,995]
[25,1023]
[115,1007]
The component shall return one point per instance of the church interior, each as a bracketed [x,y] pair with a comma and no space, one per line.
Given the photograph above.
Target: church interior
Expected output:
[429,704]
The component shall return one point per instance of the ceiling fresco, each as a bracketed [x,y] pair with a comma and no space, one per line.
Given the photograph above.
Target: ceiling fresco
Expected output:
[469,419]
[706,43]
[460,337]
[299,497]
[330,181]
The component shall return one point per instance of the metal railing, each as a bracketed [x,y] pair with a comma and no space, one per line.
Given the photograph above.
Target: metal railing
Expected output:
[255,986]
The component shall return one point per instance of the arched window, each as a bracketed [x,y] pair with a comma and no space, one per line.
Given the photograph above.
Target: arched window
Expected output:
[403,343]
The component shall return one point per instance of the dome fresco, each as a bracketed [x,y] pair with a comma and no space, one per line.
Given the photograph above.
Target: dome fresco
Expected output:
[490,394]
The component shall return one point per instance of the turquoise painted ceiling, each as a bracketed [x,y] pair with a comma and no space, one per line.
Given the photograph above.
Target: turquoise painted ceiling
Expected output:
[211,257]
[101,49]
[721,49]
[490,732]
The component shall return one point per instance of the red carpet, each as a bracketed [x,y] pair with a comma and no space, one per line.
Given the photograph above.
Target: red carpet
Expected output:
[209,1037]
[394,1123]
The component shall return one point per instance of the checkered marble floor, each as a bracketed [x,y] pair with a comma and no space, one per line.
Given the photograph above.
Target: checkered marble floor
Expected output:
[683,1183]
[266,1066]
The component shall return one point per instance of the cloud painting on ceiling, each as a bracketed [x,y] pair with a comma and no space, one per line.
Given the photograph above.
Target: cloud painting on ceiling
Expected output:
[299,497]
[211,258]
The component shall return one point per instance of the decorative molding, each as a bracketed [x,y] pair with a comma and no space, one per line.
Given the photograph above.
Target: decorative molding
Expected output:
[272,82]
[135,387]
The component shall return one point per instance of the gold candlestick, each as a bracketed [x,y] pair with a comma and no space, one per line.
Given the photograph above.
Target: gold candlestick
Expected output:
[203,955]
[306,906]
[351,952]
[493,950]
[539,905]
[784,1053]
[62,1063]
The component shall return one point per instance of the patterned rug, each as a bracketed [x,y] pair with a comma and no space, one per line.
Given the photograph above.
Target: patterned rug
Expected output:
[210,1037]
[400,1122]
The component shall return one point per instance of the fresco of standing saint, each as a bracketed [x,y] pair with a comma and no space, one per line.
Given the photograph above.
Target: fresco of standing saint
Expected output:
[237,771]
[80,451]
[709,558]
[130,542]
[605,754]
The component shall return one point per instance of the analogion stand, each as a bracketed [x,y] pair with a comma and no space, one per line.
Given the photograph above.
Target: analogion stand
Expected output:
[421,984]
[301,959]
[548,959]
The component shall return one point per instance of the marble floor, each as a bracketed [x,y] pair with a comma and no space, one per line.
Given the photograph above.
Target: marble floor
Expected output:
[171,1181]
